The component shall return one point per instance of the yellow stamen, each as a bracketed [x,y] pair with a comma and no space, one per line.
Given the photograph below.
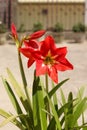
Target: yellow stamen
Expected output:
[49,59]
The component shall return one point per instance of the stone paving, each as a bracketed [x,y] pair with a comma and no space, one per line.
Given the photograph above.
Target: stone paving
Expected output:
[77,54]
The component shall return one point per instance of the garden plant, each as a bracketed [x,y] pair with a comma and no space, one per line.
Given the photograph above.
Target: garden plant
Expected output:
[41,110]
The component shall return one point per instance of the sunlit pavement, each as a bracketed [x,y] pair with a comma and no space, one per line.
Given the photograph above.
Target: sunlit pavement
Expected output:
[77,55]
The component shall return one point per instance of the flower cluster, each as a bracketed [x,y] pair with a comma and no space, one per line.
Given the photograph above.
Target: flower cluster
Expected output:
[49,59]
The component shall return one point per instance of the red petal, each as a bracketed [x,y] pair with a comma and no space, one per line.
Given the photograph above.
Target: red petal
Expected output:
[62,50]
[48,44]
[30,61]
[31,43]
[64,65]
[53,74]
[13,30]
[40,68]
[26,51]
[37,34]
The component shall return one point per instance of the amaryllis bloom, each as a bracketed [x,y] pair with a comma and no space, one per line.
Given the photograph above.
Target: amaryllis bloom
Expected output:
[50,59]
[13,30]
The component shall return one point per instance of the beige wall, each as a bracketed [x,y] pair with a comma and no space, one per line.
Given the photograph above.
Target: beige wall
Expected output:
[14,12]
[66,14]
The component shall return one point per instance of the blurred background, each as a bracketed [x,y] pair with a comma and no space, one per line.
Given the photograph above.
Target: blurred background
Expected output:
[47,13]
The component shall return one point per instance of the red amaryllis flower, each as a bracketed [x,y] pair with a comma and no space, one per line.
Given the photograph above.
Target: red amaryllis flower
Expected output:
[13,30]
[50,59]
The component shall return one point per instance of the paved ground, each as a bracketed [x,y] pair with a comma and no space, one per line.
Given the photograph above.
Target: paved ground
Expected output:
[77,54]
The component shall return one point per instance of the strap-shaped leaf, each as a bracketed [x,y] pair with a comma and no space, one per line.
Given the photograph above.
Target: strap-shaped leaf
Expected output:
[81,107]
[55,89]
[70,101]
[62,97]
[19,92]
[39,116]
[54,113]
[55,101]
[52,125]
[7,116]
[13,98]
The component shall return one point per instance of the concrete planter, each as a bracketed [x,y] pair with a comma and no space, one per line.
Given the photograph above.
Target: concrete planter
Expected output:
[79,37]
[58,36]
[2,38]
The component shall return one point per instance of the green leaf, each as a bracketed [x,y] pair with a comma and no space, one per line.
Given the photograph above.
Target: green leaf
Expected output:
[41,107]
[14,101]
[80,93]
[70,101]
[82,127]
[80,97]
[9,119]
[51,125]
[61,110]
[68,111]
[54,113]
[39,116]
[62,97]
[12,97]
[81,107]
[4,113]
[15,122]
[19,92]
[55,89]
[55,101]
[35,105]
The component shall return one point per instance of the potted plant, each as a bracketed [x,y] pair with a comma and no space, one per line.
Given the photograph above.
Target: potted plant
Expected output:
[79,32]
[3,31]
[37,26]
[58,33]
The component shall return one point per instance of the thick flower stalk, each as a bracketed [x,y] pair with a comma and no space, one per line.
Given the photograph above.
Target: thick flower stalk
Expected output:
[49,59]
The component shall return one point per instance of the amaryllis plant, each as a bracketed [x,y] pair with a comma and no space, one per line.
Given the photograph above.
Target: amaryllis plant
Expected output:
[42,111]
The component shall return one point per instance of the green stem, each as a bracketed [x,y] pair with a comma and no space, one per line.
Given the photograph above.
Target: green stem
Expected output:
[46,81]
[25,87]
[47,90]
[23,77]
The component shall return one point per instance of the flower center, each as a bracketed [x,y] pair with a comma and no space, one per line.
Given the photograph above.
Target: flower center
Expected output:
[49,59]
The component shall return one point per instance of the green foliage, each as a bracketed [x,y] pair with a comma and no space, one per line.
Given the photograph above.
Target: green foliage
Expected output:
[3,28]
[21,28]
[58,27]
[37,26]
[64,117]
[79,28]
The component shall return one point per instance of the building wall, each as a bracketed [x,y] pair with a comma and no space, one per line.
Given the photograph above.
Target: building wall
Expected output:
[14,12]
[49,14]
[8,12]
[86,12]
